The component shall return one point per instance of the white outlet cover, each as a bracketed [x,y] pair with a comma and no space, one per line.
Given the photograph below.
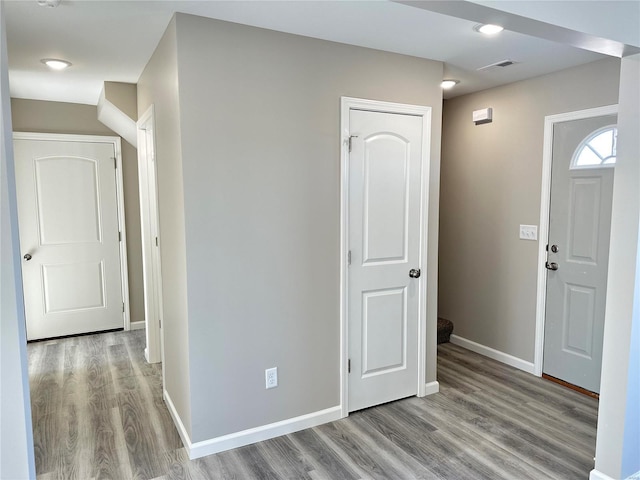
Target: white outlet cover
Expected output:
[271,377]
[528,232]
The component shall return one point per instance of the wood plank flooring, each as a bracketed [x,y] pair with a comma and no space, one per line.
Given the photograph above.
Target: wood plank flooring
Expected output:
[98,413]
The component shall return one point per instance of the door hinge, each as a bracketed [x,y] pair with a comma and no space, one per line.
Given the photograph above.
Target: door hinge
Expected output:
[349,258]
[349,366]
[160,322]
[351,137]
[122,307]
[115,162]
[119,236]
[156,241]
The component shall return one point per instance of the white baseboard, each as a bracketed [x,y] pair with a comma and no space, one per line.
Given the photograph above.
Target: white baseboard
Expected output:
[495,354]
[137,325]
[182,431]
[252,435]
[431,388]
[596,475]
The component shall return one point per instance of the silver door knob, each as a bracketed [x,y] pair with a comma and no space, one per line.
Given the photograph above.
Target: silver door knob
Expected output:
[27,257]
[551,266]
[414,273]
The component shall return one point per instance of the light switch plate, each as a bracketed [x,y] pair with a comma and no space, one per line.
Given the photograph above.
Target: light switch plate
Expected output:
[528,232]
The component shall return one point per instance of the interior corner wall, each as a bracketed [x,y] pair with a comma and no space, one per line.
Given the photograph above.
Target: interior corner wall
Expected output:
[490,184]
[73,118]
[618,434]
[631,437]
[16,434]
[158,86]
[260,113]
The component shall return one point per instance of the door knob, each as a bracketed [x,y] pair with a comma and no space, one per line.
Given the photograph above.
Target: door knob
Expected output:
[414,273]
[27,257]
[554,248]
[551,266]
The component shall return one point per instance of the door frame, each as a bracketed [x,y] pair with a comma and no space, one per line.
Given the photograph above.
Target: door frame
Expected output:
[545,205]
[151,264]
[117,148]
[346,105]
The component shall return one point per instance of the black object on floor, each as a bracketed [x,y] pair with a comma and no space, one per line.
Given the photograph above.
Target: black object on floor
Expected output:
[445,327]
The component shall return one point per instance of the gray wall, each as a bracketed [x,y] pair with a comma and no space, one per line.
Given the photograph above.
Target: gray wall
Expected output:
[158,85]
[123,96]
[490,184]
[74,118]
[16,434]
[260,140]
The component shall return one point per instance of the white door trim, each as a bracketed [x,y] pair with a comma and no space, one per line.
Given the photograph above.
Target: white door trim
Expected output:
[151,262]
[541,298]
[117,147]
[347,104]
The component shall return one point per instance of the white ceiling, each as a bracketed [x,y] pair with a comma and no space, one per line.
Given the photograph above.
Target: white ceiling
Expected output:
[109,40]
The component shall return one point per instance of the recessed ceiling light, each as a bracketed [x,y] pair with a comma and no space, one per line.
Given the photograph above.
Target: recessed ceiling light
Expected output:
[488,29]
[449,83]
[56,64]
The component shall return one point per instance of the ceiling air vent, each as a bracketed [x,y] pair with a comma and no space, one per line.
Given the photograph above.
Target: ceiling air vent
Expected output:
[500,64]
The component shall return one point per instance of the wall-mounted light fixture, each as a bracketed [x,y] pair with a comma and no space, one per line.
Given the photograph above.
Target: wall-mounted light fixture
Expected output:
[449,83]
[56,63]
[483,116]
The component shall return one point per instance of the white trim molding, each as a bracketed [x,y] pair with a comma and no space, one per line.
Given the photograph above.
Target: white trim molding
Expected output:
[493,353]
[596,475]
[346,105]
[431,388]
[547,155]
[182,431]
[137,325]
[251,435]
[150,237]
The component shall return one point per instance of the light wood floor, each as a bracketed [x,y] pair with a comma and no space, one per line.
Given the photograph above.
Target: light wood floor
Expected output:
[98,413]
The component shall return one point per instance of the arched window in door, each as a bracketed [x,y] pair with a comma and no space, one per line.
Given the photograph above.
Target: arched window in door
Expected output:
[597,150]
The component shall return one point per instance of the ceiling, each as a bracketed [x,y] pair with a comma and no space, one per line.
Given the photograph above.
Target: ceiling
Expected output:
[108,40]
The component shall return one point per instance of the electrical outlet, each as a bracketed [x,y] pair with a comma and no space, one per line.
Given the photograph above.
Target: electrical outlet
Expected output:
[271,377]
[528,232]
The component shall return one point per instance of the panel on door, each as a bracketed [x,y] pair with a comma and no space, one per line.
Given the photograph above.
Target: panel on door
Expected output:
[579,229]
[384,236]
[67,213]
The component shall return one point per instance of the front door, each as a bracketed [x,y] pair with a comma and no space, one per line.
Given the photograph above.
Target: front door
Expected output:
[69,236]
[578,252]
[385,170]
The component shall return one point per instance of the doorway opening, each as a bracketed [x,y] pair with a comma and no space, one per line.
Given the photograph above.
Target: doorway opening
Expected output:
[72,233]
[577,186]
[384,220]
[150,233]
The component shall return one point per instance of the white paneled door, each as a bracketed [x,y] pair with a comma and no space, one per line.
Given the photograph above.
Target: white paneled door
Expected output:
[578,249]
[385,169]
[69,236]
